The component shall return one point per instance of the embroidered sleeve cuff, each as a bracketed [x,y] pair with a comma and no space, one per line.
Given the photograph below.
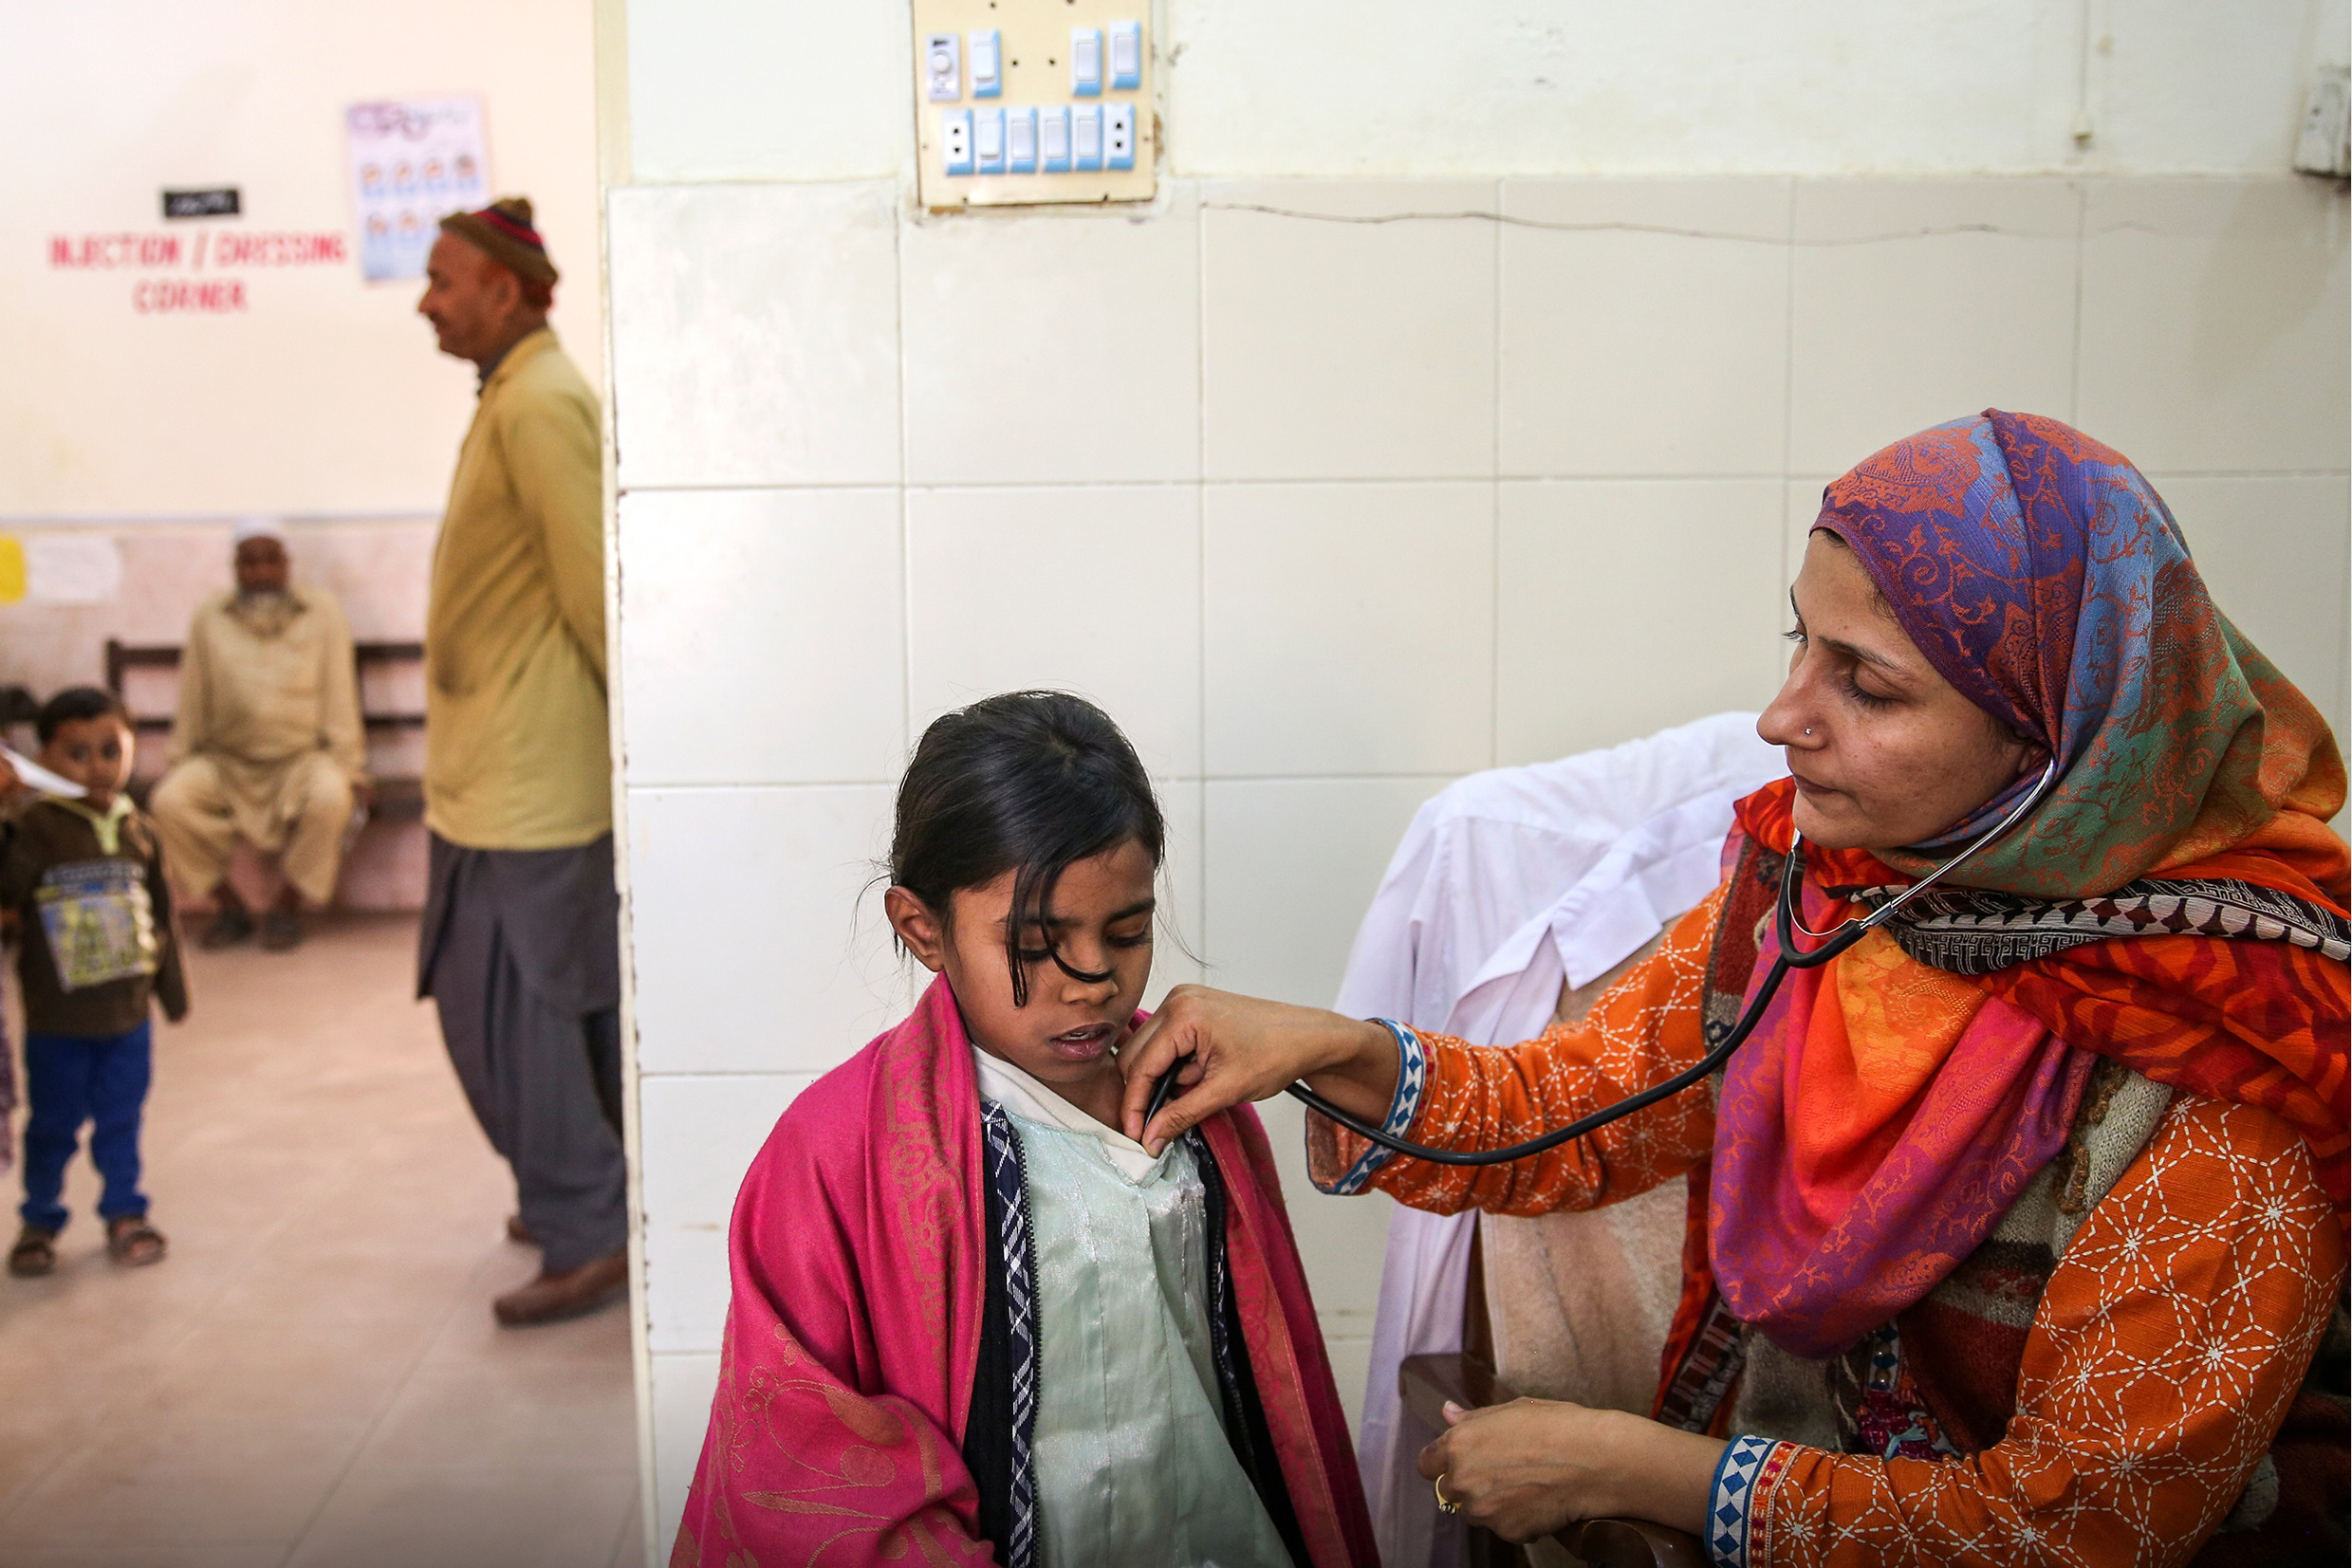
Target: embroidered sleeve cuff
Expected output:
[1411,1076]
[1746,1471]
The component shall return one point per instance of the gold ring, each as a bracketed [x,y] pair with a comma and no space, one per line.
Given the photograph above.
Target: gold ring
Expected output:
[1445,1503]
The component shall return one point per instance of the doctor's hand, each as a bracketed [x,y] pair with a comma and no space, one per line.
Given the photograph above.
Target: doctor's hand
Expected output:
[1226,1049]
[1533,1466]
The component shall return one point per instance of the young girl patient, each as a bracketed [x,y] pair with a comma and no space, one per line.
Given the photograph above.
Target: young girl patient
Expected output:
[972,1322]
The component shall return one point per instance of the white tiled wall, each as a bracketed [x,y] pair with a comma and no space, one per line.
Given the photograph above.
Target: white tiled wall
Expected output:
[1330,491]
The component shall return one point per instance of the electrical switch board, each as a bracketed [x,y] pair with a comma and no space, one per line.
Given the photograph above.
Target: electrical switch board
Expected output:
[1024,102]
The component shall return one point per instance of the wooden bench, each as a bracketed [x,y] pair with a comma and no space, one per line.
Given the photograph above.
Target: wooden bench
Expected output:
[396,799]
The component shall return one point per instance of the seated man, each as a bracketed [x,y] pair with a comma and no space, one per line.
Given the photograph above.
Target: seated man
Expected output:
[267,745]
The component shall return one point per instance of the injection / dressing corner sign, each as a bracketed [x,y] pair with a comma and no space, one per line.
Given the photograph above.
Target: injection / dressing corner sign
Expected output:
[220,202]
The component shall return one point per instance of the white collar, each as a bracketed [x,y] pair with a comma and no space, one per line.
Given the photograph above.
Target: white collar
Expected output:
[1027,1098]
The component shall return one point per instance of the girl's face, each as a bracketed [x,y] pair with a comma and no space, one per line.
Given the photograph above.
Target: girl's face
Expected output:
[1066,1035]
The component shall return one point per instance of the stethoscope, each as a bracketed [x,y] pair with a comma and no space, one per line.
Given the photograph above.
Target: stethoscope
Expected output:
[1789,957]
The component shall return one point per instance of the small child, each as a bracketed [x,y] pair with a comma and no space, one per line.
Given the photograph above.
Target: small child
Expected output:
[972,1320]
[82,882]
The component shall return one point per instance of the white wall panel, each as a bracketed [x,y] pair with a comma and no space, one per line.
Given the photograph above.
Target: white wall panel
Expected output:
[1056,346]
[1917,302]
[1645,326]
[1349,628]
[802,682]
[2215,319]
[1292,866]
[767,89]
[1091,588]
[1348,330]
[712,1125]
[1629,605]
[755,334]
[757,946]
[681,1387]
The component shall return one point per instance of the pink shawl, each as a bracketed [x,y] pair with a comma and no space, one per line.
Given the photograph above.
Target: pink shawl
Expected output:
[859,1255]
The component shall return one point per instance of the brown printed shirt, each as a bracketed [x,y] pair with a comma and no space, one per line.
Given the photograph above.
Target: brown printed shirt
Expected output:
[93,920]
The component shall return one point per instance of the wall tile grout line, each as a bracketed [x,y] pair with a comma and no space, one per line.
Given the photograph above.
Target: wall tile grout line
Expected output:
[1788,392]
[906,465]
[2082,259]
[1200,557]
[1495,512]
[1356,481]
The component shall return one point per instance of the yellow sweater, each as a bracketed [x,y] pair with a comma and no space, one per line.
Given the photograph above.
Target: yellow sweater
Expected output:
[516,753]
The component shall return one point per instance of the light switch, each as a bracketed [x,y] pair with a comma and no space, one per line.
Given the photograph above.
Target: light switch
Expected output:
[1020,142]
[988,140]
[955,140]
[1086,61]
[988,62]
[1085,136]
[1053,140]
[1126,54]
[943,82]
[1119,136]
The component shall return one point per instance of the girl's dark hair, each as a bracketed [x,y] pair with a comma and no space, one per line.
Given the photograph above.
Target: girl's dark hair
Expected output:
[1027,782]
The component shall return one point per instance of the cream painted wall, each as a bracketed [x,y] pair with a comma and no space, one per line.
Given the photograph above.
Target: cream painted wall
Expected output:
[1368,481]
[803,89]
[325,396]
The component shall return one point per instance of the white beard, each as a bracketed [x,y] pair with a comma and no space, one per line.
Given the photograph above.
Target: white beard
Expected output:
[265,614]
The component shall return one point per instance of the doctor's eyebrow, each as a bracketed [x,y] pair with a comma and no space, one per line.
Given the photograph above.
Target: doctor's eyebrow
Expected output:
[1853,651]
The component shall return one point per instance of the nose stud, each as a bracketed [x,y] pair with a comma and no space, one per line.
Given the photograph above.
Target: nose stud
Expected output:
[1808,729]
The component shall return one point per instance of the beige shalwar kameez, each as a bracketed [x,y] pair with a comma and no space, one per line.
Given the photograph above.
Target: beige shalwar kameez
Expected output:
[266,744]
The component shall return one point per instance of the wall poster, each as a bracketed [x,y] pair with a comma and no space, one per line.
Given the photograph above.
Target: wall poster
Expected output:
[413,160]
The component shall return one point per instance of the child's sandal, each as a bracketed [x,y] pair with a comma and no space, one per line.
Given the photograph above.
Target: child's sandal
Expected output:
[132,1242]
[34,1254]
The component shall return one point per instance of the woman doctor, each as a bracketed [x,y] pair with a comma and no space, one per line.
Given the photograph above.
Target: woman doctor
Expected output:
[2019,1221]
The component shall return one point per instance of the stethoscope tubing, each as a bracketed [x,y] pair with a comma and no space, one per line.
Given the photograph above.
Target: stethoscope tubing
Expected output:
[1789,957]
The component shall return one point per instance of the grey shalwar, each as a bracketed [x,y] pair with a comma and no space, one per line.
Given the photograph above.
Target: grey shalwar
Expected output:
[520,952]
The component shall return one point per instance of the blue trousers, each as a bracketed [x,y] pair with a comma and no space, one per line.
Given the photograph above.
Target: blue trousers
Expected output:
[70,1079]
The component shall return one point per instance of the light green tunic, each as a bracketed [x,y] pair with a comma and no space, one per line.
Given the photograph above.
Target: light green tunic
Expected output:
[1132,1462]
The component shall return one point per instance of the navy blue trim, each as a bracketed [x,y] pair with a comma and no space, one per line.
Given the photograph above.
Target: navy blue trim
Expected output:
[1730,1498]
[1007,1177]
[1412,1077]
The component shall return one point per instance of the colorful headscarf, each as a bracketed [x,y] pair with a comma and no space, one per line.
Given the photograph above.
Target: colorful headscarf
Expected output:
[1893,1104]
[2047,580]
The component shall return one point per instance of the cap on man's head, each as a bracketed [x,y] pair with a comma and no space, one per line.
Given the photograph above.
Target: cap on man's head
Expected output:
[258,527]
[503,232]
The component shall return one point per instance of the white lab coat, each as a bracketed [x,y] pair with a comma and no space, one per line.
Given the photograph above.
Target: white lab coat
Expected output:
[1510,885]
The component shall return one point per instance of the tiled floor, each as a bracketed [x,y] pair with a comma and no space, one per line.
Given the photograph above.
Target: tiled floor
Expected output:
[312,1379]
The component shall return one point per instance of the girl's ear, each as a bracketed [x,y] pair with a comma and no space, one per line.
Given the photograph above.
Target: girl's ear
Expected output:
[920,929]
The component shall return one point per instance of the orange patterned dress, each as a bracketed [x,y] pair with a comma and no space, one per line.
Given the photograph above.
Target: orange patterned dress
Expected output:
[2158,1363]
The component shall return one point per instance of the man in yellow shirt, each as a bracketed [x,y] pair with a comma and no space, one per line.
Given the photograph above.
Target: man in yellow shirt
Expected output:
[267,743]
[520,948]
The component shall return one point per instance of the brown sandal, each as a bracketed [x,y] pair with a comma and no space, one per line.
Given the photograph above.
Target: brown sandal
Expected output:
[33,1254]
[132,1242]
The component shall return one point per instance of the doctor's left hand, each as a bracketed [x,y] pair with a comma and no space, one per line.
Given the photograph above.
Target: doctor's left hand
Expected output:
[1533,1466]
